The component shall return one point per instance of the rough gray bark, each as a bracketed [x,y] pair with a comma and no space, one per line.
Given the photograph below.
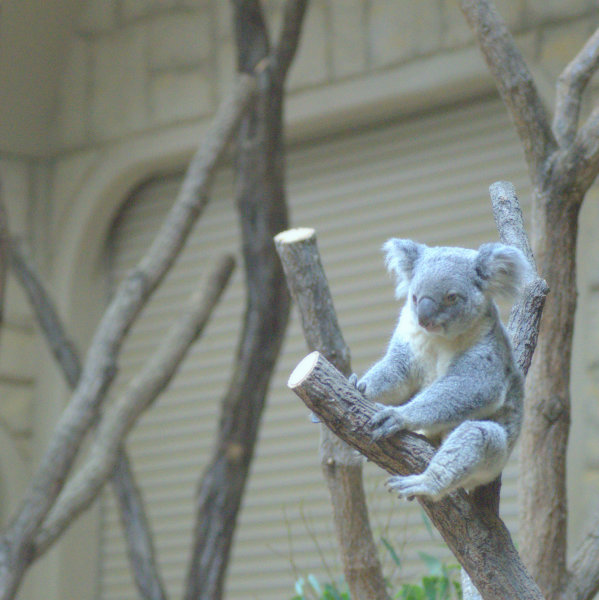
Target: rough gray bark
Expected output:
[563,160]
[341,465]
[477,537]
[17,545]
[261,203]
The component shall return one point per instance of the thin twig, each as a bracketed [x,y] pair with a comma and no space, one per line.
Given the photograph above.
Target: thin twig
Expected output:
[571,84]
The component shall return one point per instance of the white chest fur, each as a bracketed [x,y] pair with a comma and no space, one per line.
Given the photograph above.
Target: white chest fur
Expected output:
[432,353]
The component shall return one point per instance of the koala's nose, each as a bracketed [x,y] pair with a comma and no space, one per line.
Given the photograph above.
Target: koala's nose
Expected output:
[427,307]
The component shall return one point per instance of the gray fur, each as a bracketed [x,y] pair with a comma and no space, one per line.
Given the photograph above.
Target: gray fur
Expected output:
[449,371]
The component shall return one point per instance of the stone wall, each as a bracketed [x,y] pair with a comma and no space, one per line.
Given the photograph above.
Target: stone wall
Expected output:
[139,64]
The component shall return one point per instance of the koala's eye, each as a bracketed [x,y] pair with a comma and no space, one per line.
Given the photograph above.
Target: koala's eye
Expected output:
[451,298]
[414,300]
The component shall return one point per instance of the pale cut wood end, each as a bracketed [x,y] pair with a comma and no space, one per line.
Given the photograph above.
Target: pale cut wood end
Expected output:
[291,236]
[303,369]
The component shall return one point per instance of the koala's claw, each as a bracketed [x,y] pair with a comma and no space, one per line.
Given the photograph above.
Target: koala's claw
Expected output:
[408,486]
[360,386]
[386,422]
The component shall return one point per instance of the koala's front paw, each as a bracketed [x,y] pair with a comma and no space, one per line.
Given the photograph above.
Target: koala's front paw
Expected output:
[386,422]
[359,385]
[407,486]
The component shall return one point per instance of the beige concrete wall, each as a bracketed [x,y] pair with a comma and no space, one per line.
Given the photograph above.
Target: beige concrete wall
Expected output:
[137,84]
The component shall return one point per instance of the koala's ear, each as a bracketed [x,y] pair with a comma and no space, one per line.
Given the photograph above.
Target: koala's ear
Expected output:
[400,258]
[502,269]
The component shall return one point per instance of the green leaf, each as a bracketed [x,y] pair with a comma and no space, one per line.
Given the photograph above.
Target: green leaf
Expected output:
[433,564]
[391,550]
[299,586]
[315,585]
[411,592]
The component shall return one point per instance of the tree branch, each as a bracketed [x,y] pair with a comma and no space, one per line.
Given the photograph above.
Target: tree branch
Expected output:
[140,546]
[251,34]
[525,316]
[137,531]
[4,254]
[583,583]
[61,345]
[581,159]
[100,365]
[571,84]
[341,464]
[514,82]
[286,47]
[477,537]
[120,417]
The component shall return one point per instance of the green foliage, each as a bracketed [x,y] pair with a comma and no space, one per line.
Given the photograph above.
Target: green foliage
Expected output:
[440,584]
[311,589]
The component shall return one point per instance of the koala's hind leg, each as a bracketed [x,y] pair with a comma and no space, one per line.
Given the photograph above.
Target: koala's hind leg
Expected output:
[474,453]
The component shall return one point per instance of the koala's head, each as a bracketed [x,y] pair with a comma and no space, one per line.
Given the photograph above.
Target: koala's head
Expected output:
[448,288]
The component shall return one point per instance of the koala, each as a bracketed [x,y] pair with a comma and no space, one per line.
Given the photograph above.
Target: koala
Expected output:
[449,371]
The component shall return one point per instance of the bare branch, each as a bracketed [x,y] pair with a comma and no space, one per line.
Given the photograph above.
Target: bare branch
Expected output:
[583,583]
[141,551]
[120,417]
[134,522]
[570,86]
[309,287]
[476,536]
[581,159]
[526,314]
[61,345]
[514,82]
[251,34]
[4,254]
[286,47]
[100,366]
[341,464]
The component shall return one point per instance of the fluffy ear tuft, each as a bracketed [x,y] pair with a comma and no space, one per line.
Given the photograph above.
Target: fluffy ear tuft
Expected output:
[400,259]
[502,269]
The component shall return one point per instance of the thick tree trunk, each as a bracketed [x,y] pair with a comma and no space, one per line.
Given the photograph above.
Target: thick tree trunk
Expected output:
[543,530]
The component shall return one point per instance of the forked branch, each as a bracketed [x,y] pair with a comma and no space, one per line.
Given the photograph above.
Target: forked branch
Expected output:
[525,317]
[514,82]
[476,536]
